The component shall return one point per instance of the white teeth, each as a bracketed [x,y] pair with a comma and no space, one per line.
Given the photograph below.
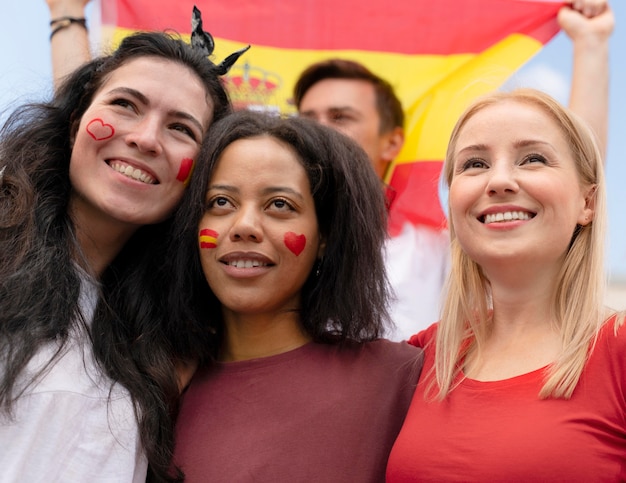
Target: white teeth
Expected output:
[246,264]
[131,172]
[507,216]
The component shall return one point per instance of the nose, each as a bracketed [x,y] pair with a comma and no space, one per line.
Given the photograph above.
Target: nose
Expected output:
[247,225]
[324,120]
[319,117]
[502,179]
[145,135]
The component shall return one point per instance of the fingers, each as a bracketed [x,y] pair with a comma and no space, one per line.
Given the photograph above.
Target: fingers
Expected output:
[577,25]
[589,8]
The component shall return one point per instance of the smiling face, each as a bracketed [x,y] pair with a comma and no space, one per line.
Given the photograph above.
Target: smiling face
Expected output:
[515,193]
[136,143]
[258,237]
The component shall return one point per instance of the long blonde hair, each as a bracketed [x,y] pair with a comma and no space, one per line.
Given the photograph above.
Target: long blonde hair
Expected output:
[579,296]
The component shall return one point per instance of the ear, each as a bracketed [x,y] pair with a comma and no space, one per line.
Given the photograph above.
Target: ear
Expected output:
[74,123]
[588,211]
[322,248]
[394,140]
[392,145]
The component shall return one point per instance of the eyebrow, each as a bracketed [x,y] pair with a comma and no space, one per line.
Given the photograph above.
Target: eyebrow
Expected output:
[144,100]
[518,144]
[332,109]
[266,191]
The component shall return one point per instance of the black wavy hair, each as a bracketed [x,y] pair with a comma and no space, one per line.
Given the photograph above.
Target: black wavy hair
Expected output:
[39,282]
[348,299]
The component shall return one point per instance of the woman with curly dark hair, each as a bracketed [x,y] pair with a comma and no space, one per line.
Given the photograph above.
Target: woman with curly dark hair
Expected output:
[278,251]
[88,186]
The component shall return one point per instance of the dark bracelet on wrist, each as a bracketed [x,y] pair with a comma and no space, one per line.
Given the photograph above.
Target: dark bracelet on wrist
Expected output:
[61,23]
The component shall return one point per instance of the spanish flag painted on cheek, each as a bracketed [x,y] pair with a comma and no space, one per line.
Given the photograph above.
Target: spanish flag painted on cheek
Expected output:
[438,55]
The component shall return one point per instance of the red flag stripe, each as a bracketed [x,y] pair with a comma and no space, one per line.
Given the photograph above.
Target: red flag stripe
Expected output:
[373,25]
[418,185]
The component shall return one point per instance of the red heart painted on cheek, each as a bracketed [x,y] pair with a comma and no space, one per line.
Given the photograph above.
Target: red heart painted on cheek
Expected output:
[295,243]
[99,130]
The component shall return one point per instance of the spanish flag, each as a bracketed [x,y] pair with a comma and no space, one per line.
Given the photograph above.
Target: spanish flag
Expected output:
[208,238]
[438,55]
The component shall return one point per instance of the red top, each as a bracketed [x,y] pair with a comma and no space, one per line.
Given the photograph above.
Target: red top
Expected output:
[502,431]
[320,413]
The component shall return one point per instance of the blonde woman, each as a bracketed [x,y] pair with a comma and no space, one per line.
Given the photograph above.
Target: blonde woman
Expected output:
[524,376]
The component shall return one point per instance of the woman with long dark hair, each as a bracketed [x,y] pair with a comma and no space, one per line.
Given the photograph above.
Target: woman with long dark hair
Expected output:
[89,182]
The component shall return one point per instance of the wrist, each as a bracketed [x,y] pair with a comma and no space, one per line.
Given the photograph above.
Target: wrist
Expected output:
[58,24]
[591,42]
[62,10]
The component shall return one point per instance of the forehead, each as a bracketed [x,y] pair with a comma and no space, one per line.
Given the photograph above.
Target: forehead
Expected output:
[260,158]
[511,119]
[165,81]
[332,93]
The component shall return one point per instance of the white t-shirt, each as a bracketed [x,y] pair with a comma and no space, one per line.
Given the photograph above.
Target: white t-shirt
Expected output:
[71,425]
[417,261]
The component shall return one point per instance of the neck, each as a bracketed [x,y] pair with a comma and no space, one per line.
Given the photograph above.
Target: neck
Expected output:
[523,336]
[261,335]
[522,293]
[100,239]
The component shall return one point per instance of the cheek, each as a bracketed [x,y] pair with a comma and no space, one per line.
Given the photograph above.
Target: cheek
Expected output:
[295,242]
[454,204]
[185,170]
[99,130]
[459,212]
[462,195]
[207,238]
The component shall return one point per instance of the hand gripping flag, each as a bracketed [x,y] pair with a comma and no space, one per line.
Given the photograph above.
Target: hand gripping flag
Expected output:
[438,55]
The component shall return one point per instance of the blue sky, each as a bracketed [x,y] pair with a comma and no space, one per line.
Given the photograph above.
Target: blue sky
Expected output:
[25,75]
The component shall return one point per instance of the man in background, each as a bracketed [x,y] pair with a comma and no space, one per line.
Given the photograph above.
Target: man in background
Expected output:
[346,96]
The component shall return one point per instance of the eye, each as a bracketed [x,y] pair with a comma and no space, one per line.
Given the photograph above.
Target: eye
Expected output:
[218,202]
[185,130]
[339,117]
[534,158]
[280,204]
[309,115]
[474,163]
[122,102]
